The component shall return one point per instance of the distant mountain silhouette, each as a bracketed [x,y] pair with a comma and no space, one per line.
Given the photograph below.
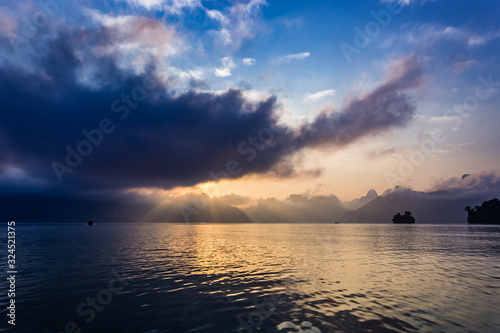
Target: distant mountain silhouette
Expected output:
[360,202]
[297,209]
[443,206]
[406,218]
[487,213]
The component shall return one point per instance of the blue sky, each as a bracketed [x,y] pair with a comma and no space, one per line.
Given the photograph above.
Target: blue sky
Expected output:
[424,62]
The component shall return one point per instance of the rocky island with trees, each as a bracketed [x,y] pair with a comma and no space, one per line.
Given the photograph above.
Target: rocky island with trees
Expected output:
[406,218]
[487,213]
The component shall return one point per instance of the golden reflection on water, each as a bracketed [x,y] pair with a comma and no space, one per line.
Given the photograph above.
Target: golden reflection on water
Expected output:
[371,272]
[359,269]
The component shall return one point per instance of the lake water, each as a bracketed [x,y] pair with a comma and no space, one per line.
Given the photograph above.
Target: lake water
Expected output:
[255,278]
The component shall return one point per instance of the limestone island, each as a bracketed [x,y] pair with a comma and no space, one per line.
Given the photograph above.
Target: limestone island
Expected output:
[407,218]
[487,213]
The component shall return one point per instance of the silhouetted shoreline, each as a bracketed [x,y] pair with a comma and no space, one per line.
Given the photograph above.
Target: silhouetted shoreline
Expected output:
[487,213]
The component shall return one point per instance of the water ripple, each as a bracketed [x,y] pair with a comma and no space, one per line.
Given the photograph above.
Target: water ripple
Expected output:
[259,278]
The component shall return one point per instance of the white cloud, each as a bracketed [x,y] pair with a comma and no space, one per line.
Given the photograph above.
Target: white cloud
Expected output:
[183,75]
[238,22]
[428,34]
[180,79]
[136,40]
[401,2]
[405,2]
[218,16]
[297,56]
[319,95]
[256,96]
[227,65]
[477,40]
[225,36]
[249,61]
[174,7]
[148,4]
[178,6]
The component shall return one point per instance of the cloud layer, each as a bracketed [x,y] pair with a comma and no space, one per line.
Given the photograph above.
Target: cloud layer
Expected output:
[159,138]
[384,108]
[94,112]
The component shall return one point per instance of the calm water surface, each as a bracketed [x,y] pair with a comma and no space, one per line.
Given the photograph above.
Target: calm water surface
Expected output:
[256,278]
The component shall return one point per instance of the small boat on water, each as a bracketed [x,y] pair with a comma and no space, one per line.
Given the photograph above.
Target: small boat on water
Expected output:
[90,222]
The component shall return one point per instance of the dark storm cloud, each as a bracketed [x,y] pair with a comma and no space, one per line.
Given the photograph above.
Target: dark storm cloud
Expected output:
[160,139]
[386,107]
[164,142]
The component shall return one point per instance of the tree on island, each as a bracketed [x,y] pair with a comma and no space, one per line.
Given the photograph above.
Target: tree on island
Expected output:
[487,213]
[407,218]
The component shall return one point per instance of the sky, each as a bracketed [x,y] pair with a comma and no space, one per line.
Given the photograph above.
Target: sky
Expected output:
[245,103]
